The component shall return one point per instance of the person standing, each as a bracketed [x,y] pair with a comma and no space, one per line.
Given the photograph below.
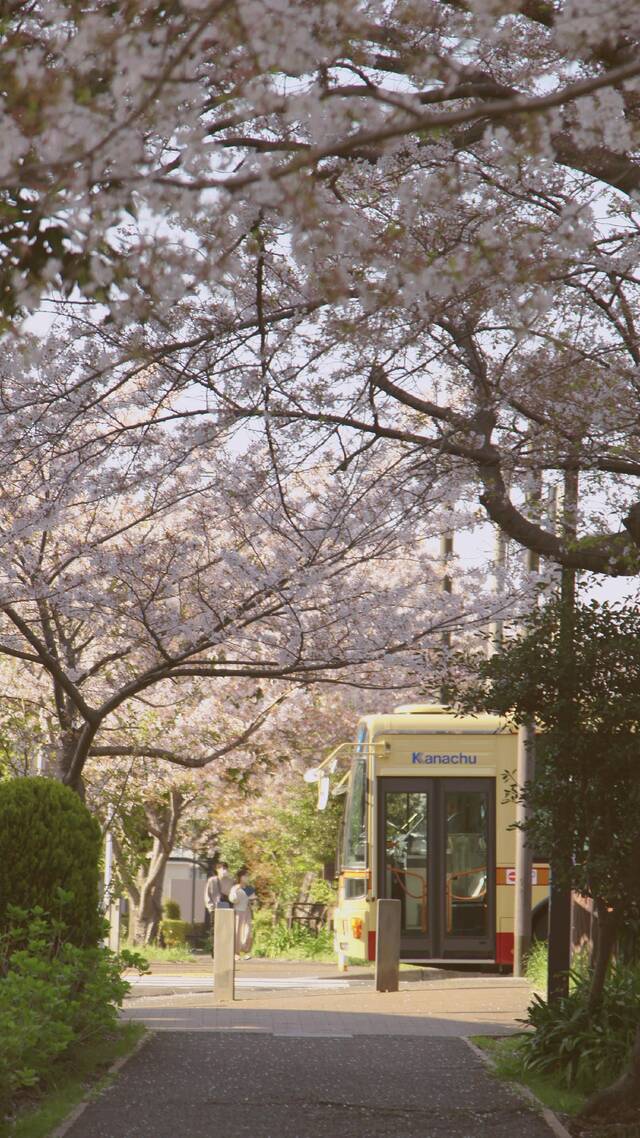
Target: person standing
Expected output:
[242,896]
[218,888]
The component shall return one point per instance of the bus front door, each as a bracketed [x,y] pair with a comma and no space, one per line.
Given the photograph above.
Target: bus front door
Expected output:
[436,856]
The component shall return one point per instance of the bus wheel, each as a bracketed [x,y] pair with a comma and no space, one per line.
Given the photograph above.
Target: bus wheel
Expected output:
[540,921]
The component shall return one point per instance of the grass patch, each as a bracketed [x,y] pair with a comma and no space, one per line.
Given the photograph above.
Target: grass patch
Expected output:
[536,963]
[181,954]
[278,942]
[70,1080]
[506,1058]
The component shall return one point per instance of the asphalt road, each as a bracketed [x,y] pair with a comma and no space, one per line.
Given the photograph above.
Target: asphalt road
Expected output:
[243,1085]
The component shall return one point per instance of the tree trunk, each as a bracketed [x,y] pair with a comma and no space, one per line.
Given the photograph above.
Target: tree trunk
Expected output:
[146,907]
[622,1095]
[146,896]
[65,770]
[605,940]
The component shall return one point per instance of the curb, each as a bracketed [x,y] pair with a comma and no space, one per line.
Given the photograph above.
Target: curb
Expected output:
[551,1119]
[90,1097]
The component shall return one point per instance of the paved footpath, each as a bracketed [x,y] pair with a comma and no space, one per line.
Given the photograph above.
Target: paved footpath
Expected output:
[312,1062]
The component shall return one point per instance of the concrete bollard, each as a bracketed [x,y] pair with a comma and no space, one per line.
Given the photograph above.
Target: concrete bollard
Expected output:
[224,960]
[113,916]
[388,945]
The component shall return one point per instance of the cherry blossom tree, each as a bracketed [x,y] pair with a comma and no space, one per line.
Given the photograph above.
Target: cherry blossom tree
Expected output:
[149,802]
[114,583]
[333,248]
[210,111]
[400,238]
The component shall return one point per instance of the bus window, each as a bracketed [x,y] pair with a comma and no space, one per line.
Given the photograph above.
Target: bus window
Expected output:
[355,828]
[354,887]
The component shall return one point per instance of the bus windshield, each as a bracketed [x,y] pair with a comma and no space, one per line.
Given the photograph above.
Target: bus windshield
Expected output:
[355,829]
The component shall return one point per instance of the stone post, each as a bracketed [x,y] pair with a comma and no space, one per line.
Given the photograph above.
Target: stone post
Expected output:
[224,961]
[388,945]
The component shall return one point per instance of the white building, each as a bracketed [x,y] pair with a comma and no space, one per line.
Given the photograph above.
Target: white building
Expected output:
[184,882]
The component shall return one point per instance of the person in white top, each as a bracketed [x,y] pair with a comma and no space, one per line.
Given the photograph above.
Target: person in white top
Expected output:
[242,896]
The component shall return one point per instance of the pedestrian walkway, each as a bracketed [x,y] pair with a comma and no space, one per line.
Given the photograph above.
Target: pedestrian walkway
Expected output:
[245,1086]
[463,1006]
[142,984]
[301,1063]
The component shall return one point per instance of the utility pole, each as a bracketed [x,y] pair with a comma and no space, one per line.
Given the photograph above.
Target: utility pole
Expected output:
[560,893]
[110,905]
[525,774]
[524,854]
[446,553]
[496,627]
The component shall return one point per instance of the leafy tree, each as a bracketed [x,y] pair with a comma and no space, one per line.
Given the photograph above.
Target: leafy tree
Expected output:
[272,824]
[288,843]
[585,799]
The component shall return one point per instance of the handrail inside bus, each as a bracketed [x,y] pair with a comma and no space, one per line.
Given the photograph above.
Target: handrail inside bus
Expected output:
[421,897]
[480,895]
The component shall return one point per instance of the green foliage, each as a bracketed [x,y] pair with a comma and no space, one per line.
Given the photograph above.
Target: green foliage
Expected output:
[233,849]
[171,910]
[536,964]
[585,1048]
[54,995]
[578,674]
[81,1067]
[296,943]
[174,933]
[323,892]
[289,840]
[49,841]
[181,953]
[507,1057]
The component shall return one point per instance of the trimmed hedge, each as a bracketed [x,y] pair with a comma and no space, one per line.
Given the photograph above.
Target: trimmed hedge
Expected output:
[49,841]
[174,933]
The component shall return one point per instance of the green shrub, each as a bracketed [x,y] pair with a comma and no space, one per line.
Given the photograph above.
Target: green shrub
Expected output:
[171,910]
[297,943]
[536,964]
[54,996]
[586,1049]
[174,933]
[49,841]
[323,892]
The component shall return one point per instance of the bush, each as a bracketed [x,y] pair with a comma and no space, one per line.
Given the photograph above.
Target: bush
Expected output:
[323,892]
[171,910]
[49,840]
[174,933]
[586,1049]
[54,996]
[536,964]
[296,943]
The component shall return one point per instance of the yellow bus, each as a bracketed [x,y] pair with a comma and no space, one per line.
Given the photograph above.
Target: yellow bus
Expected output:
[427,821]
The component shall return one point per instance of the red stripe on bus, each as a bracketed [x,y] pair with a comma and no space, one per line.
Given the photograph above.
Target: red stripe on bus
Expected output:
[504,948]
[371,945]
